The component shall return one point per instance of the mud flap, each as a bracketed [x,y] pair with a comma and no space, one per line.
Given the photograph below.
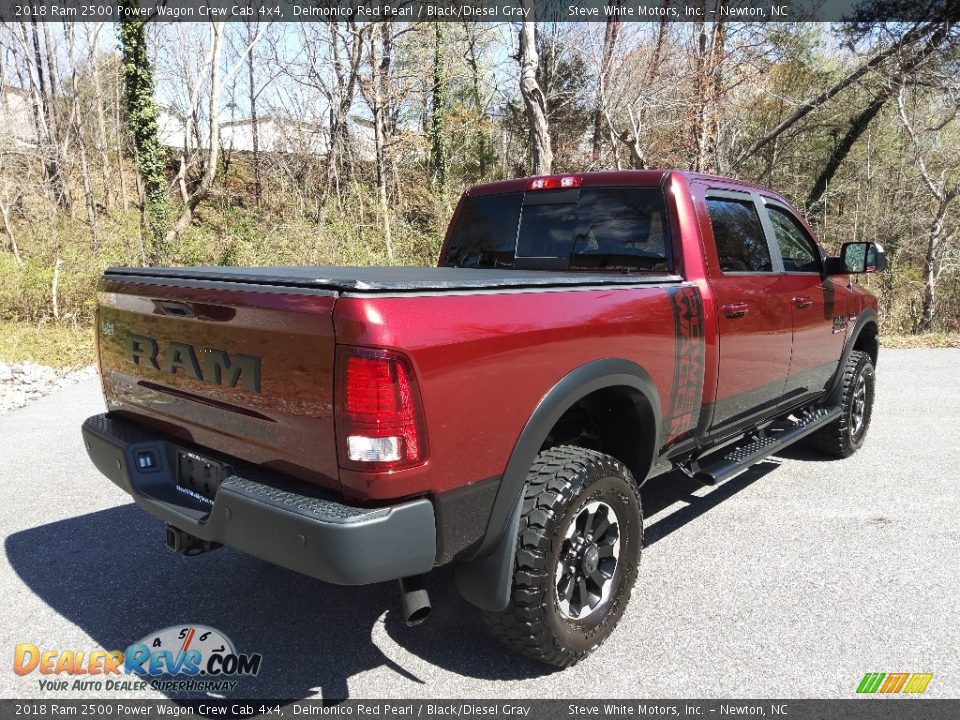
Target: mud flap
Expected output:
[487,581]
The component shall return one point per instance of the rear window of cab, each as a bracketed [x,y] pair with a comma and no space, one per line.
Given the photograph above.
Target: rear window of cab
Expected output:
[598,229]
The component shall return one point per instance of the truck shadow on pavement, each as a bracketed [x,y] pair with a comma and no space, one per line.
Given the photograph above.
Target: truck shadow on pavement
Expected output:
[109,574]
[662,492]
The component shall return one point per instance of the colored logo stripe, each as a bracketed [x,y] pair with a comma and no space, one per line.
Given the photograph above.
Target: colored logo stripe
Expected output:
[918,682]
[870,682]
[894,683]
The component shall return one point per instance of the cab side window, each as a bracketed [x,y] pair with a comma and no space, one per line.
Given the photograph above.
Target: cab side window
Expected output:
[741,244]
[796,247]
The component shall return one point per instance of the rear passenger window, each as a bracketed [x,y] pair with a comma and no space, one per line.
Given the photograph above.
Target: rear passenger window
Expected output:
[485,233]
[741,244]
[795,247]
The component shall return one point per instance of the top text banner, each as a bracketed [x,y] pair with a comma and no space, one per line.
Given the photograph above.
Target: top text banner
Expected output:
[361,11]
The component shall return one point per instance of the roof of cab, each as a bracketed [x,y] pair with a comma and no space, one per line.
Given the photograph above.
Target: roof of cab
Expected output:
[608,178]
[650,178]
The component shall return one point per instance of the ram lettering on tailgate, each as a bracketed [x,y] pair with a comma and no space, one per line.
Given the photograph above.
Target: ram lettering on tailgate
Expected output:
[218,367]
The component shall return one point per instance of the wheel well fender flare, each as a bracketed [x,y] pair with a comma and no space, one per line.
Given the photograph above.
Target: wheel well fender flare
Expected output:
[485,579]
[867,316]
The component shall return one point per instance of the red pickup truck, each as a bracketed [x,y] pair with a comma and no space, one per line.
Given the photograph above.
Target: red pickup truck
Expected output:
[581,334]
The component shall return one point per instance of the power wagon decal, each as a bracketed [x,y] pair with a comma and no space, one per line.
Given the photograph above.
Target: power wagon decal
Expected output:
[685,391]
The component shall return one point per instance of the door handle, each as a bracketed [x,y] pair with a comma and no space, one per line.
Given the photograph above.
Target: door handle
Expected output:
[735,309]
[802,301]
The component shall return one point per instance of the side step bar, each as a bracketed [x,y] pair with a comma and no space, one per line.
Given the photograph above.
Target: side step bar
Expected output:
[762,444]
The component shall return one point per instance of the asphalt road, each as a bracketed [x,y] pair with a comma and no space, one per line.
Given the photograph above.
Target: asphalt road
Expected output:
[790,580]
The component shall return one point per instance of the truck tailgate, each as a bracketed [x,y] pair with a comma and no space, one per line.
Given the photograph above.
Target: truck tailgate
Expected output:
[247,371]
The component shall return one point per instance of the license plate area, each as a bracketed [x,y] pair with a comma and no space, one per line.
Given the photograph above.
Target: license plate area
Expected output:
[200,475]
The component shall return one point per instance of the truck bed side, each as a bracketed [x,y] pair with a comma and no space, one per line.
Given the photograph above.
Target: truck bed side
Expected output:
[485,361]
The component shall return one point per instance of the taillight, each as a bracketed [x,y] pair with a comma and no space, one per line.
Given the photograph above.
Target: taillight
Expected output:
[554,182]
[379,417]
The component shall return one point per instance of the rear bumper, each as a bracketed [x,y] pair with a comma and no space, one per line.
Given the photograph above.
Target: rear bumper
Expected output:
[266,517]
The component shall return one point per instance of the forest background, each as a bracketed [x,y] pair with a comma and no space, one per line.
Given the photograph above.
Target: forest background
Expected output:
[349,143]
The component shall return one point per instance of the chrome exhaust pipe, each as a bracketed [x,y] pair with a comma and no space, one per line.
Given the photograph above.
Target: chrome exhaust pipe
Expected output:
[415,600]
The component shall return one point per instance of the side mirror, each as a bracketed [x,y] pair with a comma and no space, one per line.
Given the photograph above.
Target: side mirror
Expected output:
[857,258]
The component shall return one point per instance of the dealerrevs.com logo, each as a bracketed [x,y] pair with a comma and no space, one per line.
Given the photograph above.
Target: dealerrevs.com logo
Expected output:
[180,658]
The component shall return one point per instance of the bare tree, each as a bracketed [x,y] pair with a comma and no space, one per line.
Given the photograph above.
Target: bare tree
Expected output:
[343,159]
[635,94]
[79,131]
[254,119]
[914,36]
[610,35]
[101,143]
[472,56]
[438,101]
[707,74]
[375,89]
[192,198]
[901,74]
[39,76]
[8,229]
[533,98]
[345,54]
[944,189]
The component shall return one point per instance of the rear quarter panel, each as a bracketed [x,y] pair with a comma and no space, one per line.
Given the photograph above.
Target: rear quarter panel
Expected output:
[485,360]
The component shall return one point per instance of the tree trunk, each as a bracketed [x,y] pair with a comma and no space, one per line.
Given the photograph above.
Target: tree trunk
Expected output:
[55,289]
[101,139]
[632,137]
[120,141]
[711,146]
[657,55]
[90,202]
[931,268]
[379,36]
[213,141]
[46,126]
[481,132]
[437,110]
[536,104]
[340,104]
[217,81]
[254,127]
[944,197]
[79,131]
[51,61]
[695,161]
[144,221]
[8,229]
[610,35]
[142,111]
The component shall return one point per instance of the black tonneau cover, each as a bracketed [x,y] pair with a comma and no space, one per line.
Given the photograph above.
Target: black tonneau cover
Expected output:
[387,279]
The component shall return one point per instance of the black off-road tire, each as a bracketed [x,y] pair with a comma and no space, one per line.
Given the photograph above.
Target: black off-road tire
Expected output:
[562,485]
[844,436]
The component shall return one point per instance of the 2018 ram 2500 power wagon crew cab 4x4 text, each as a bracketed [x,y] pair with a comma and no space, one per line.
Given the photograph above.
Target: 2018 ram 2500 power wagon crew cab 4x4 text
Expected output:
[582,334]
